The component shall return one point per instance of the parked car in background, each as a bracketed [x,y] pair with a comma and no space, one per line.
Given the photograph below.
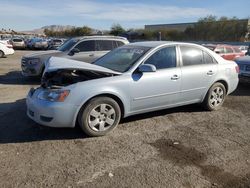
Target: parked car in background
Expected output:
[6,48]
[55,43]
[132,79]
[243,49]
[86,49]
[37,43]
[18,43]
[226,51]
[244,66]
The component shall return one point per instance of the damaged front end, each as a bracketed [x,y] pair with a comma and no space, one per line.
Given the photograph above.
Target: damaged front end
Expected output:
[65,77]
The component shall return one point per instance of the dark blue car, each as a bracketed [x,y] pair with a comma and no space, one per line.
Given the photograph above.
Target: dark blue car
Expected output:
[244,65]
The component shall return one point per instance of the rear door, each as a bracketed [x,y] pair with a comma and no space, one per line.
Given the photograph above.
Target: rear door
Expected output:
[102,47]
[86,51]
[198,70]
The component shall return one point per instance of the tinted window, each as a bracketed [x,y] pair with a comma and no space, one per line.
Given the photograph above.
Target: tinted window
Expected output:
[57,40]
[104,45]
[163,58]
[229,50]
[119,43]
[86,46]
[17,40]
[191,56]
[68,45]
[207,58]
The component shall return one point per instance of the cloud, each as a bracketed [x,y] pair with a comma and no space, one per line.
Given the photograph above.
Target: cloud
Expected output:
[19,14]
[103,11]
[133,11]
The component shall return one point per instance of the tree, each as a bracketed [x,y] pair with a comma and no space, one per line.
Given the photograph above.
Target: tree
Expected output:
[117,29]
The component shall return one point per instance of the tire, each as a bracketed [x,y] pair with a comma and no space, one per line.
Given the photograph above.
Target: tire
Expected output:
[215,97]
[100,116]
[1,54]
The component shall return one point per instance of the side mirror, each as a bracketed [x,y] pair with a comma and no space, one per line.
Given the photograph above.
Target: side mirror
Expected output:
[147,68]
[218,52]
[73,51]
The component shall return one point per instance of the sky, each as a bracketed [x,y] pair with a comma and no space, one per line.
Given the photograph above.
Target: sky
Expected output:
[23,15]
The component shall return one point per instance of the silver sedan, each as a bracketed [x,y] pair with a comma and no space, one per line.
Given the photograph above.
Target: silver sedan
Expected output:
[133,79]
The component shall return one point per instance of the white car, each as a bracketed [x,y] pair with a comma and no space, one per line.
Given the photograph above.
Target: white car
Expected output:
[5,48]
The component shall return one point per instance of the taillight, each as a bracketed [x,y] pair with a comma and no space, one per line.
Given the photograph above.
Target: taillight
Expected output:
[237,69]
[9,46]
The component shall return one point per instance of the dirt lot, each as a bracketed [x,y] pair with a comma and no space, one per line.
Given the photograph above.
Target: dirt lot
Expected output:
[180,147]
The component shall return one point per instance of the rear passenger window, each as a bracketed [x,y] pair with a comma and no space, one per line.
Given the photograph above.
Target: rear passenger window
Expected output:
[191,56]
[163,58]
[86,46]
[229,50]
[119,43]
[207,58]
[104,45]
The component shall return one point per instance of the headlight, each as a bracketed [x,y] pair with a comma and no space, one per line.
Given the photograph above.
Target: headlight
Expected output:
[54,96]
[34,61]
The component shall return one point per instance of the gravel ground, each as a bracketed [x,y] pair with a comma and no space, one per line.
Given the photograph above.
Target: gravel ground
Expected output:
[180,147]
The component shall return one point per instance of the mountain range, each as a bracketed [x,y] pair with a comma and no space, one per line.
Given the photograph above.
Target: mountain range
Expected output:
[50,27]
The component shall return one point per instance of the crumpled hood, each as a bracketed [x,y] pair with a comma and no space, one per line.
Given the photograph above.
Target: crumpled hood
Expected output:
[245,59]
[43,54]
[56,63]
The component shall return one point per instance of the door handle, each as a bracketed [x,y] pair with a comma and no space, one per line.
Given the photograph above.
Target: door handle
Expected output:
[91,55]
[175,77]
[210,73]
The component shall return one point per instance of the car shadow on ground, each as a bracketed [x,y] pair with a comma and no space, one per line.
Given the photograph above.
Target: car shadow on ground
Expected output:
[16,78]
[187,108]
[243,89]
[16,127]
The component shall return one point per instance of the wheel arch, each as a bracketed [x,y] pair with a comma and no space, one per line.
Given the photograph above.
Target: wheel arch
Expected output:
[112,96]
[3,52]
[222,81]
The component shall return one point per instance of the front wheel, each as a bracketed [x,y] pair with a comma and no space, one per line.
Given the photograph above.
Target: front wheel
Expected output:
[99,116]
[215,97]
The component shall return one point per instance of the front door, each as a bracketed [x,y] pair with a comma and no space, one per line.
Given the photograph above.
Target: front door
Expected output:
[155,90]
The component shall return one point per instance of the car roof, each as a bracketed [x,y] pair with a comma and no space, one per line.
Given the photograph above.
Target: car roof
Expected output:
[100,37]
[154,44]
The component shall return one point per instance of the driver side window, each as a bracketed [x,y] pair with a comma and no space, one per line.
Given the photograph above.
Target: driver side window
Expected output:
[163,58]
[86,46]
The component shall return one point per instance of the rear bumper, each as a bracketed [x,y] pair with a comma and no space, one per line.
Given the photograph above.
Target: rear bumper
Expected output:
[9,51]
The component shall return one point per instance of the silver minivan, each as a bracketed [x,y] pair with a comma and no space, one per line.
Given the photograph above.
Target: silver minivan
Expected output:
[86,49]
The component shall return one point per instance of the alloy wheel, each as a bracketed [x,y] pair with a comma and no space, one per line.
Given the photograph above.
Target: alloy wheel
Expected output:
[101,117]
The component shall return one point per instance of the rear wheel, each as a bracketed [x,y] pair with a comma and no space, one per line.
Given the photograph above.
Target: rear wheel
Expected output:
[1,54]
[99,116]
[215,97]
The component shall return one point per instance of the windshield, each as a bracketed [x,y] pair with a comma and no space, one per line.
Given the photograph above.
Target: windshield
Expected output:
[122,59]
[68,45]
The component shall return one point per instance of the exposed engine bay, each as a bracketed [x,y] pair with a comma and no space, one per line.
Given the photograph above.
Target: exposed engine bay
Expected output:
[65,77]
